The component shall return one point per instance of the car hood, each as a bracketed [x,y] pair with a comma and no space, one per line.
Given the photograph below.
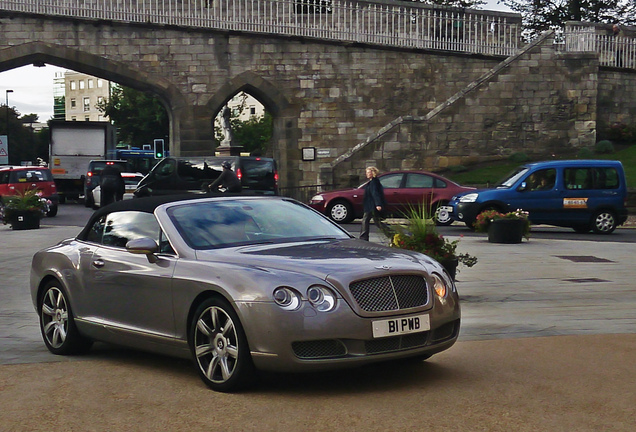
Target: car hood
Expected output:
[348,259]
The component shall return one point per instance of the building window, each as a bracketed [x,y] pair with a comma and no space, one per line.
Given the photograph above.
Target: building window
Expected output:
[100,99]
[87,118]
[100,83]
[90,84]
[87,104]
[73,103]
[73,85]
[81,85]
[73,118]
[252,110]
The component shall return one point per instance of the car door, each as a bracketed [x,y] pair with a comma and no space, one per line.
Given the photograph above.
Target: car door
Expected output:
[419,191]
[122,289]
[540,194]
[391,183]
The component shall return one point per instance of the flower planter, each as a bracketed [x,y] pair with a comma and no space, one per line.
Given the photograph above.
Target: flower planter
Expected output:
[24,220]
[450,264]
[506,231]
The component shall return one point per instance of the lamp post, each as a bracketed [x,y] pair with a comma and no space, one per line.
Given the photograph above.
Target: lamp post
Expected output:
[6,125]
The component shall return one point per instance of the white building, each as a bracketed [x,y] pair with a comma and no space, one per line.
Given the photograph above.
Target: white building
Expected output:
[82,94]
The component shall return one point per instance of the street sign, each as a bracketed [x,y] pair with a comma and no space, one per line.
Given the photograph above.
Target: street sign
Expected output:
[4,150]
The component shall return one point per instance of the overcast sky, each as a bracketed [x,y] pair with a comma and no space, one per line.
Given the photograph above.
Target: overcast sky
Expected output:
[33,86]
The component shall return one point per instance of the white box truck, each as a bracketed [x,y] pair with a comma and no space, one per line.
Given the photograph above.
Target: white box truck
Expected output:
[73,144]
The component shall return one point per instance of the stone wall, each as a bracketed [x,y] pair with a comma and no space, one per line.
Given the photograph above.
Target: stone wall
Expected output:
[356,104]
[616,99]
[539,102]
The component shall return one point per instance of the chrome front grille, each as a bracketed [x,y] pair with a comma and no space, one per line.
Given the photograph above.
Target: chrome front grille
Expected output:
[390,293]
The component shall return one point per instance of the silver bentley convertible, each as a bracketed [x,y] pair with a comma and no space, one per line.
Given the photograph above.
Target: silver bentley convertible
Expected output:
[240,284]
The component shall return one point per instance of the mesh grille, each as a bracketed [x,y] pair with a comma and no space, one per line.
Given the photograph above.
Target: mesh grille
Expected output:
[396,343]
[319,349]
[390,293]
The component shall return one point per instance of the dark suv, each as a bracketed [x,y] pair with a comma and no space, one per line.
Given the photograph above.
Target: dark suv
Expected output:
[14,179]
[174,175]
[93,176]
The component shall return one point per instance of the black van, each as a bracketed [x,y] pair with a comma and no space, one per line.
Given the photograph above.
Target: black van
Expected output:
[175,175]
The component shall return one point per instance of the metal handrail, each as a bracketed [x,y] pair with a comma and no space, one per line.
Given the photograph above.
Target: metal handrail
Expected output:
[363,21]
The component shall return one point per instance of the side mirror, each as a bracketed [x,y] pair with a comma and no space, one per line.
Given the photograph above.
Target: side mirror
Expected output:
[523,187]
[144,246]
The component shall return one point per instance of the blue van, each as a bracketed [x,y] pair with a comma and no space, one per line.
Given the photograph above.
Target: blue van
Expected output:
[581,194]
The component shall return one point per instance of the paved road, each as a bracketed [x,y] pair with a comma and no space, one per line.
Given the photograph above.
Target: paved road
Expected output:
[502,375]
[542,287]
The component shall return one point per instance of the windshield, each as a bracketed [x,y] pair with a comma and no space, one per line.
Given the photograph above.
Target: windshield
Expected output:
[216,224]
[512,178]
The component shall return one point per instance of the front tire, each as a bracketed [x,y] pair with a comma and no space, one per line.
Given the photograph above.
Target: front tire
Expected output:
[604,222]
[57,324]
[219,347]
[340,212]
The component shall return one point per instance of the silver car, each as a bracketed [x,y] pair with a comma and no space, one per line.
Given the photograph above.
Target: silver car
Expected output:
[240,284]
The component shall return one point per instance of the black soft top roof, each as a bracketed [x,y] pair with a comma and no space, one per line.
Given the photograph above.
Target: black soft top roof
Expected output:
[149,204]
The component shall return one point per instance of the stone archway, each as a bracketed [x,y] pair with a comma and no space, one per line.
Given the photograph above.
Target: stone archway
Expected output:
[284,144]
[44,53]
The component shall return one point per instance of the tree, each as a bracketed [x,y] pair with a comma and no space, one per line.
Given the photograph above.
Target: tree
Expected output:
[139,117]
[25,145]
[253,134]
[541,15]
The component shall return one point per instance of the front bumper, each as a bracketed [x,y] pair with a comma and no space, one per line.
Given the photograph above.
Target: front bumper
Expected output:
[305,340]
[465,212]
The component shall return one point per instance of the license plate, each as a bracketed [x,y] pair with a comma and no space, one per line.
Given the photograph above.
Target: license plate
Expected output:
[401,326]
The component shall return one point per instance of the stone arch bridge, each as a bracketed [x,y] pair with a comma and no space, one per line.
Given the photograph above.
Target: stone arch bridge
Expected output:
[339,103]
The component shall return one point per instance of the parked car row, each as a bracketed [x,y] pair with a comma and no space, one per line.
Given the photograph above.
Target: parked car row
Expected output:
[581,194]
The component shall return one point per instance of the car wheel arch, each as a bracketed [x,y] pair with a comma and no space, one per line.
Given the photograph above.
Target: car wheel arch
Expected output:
[200,298]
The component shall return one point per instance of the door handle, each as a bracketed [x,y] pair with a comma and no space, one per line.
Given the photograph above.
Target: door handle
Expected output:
[98,263]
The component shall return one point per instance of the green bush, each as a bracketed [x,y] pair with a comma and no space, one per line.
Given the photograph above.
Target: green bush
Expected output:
[519,157]
[585,153]
[604,147]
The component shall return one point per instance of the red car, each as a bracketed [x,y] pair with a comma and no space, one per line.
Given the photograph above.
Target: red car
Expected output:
[402,190]
[15,179]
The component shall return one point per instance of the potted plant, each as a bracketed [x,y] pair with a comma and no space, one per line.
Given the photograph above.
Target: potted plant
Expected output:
[508,227]
[420,234]
[24,209]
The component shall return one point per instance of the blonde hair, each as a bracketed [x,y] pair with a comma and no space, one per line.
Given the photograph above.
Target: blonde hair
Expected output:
[373,170]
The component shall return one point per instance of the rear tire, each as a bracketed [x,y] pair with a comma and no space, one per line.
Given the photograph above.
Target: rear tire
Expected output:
[604,222]
[57,324]
[52,211]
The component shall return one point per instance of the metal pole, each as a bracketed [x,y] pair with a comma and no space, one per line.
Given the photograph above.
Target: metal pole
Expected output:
[6,125]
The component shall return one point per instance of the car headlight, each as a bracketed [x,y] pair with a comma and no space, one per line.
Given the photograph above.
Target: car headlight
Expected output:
[468,198]
[287,298]
[440,286]
[322,298]
[317,198]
